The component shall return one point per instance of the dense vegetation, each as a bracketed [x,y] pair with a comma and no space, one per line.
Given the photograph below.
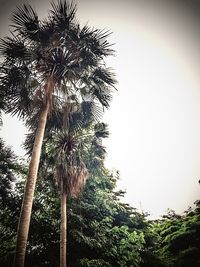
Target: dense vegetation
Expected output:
[102,230]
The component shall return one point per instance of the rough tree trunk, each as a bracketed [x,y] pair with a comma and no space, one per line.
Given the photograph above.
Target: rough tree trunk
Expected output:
[63,227]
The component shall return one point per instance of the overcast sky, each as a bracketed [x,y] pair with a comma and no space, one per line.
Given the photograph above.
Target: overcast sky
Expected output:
[154,118]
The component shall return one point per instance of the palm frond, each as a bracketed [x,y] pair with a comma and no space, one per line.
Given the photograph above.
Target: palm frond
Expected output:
[103,94]
[103,81]
[63,13]
[95,41]
[55,121]
[66,143]
[99,84]
[55,118]
[63,63]
[81,116]
[91,110]
[28,143]
[101,130]
[25,21]
[13,76]
[76,122]
[17,84]
[46,33]
[97,147]
[13,49]
[20,104]
[3,102]
[104,75]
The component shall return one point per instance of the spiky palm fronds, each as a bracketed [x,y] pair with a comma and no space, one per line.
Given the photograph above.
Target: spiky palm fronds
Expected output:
[7,157]
[95,40]
[99,85]
[101,130]
[78,116]
[14,48]
[25,21]
[19,90]
[63,14]
[73,149]
[70,169]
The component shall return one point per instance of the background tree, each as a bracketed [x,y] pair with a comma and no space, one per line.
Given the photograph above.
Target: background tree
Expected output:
[11,169]
[179,238]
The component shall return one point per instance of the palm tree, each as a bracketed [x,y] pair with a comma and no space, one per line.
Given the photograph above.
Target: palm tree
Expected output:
[44,60]
[70,170]
[64,151]
[71,174]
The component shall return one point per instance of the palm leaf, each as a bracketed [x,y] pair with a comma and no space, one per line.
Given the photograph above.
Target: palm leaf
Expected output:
[13,49]
[91,111]
[25,21]
[28,142]
[104,75]
[19,90]
[95,41]
[63,13]
[45,33]
[63,63]
[99,84]
[101,130]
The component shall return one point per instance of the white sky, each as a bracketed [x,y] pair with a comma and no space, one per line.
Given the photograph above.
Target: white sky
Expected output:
[154,118]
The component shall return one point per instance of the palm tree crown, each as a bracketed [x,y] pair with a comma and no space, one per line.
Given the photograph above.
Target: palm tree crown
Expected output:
[55,55]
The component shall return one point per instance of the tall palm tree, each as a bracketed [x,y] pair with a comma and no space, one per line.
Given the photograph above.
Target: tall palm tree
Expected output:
[71,172]
[44,60]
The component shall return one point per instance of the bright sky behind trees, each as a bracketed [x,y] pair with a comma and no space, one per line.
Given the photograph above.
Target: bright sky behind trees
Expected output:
[154,118]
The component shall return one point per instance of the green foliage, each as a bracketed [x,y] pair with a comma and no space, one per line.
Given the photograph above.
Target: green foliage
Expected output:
[179,238]
[102,231]
[125,247]
[95,237]
[10,171]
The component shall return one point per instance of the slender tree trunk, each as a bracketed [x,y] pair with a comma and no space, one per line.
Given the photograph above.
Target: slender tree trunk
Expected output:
[63,227]
[24,221]
[25,215]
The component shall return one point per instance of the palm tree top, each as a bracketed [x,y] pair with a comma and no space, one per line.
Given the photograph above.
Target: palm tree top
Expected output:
[54,50]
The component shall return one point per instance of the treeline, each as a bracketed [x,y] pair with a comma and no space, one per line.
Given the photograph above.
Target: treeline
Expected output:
[102,231]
